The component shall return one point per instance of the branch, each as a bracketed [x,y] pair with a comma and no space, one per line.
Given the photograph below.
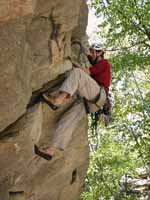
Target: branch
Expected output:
[133,23]
[119,49]
[147,32]
[143,29]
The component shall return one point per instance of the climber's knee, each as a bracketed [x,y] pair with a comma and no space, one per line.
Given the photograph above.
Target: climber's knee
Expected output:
[78,72]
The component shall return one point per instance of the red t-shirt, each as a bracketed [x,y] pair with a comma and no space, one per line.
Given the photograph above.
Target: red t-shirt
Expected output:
[101,73]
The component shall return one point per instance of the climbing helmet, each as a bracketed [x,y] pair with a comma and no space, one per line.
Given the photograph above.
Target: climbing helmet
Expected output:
[97,47]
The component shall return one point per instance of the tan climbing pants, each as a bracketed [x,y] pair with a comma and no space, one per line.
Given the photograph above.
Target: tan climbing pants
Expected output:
[81,82]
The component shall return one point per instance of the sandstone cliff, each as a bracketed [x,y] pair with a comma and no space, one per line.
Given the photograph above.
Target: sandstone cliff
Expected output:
[35,42]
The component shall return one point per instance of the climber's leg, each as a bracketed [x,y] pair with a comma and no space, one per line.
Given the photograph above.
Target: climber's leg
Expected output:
[47,155]
[87,87]
[64,130]
[77,80]
[80,81]
[67,125]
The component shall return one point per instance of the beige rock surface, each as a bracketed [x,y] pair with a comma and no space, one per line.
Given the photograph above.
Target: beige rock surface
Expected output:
[35,42]
[35,38]
[23,175]
[15,76]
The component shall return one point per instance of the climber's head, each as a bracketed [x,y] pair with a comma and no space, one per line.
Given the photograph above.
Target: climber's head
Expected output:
[96,52]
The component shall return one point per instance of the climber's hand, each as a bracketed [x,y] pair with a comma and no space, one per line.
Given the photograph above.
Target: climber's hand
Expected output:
[86,70]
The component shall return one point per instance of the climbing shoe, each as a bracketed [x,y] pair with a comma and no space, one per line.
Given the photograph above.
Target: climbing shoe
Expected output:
[41,153]
[52,106]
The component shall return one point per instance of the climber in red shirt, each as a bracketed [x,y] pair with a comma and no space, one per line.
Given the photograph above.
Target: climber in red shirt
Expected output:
[92,84]
[100,70]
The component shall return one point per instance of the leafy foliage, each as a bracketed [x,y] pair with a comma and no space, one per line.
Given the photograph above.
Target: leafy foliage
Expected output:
[125,145]
[125,21]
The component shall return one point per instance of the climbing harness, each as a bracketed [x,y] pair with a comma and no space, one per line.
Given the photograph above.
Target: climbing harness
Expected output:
[87,102]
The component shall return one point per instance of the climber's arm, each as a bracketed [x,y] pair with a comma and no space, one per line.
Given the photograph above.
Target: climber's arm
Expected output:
[86,70]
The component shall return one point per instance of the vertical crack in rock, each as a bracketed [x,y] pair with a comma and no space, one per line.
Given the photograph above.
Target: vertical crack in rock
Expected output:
[55,32]
[74,176]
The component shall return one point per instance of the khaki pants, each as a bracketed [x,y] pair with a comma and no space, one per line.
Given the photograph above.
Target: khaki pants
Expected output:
[77,81]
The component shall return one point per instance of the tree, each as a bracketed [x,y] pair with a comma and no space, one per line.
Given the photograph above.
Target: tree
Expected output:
[127,22]
[122,147]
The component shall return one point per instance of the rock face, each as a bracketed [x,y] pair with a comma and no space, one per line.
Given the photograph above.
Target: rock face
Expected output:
[35,42]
